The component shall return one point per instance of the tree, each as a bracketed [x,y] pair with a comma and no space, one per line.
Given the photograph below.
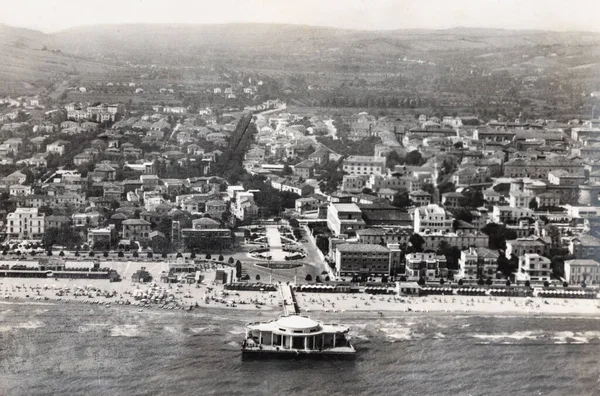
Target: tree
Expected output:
[442,281]
[428,188]
[401,199]
[421,281]
[546,284]
[417,242]
[508,283]
[504,266]
[393,159]
[565,284]
[308,277]
[533,204]
[221,258]
[159,244]
[498,235]
[231,260]
[257,277]
[472,198]
[238,269]
[460,282]
[446,187]
[207,256]
[414,158]
[558,267]
[527,284]
[480,282]
[135,254]
[61,254]
[489,281]
[327,278]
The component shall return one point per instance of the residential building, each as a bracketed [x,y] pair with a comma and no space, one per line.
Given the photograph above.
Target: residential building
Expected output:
[215,208]
[25,223]
[305,169]
[521,246]
[426,265]
[582,271]
[534,267]
[432,218]
[420,198]
[452,200]
[362,259]
[342,217]
[546,200]
[17,190]
[519,199]
[477,263]
[585,247]
[59,147]
[364,165]
[136,229]
[507,214]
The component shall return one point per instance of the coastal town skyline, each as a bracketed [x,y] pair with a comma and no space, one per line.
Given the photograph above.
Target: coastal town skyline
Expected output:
[381,209]
[552,15]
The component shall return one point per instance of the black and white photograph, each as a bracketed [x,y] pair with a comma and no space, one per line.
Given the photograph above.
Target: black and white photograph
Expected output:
[300,197]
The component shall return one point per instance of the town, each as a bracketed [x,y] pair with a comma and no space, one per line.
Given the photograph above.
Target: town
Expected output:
[425,204]
[339,197]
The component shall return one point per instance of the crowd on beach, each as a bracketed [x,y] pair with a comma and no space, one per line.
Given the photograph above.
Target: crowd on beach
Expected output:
[456,304]
[213,294]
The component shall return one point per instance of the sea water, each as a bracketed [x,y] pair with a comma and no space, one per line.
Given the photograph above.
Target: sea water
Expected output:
[73,349]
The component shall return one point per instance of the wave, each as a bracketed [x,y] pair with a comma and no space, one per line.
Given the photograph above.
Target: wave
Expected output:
[92,327]
[559,337]
[395,333]
[125,331]
[31,324]
[518,335]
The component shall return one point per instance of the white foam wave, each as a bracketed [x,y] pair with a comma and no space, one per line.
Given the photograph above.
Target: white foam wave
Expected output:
[31,324]
[125,331]
[91,327]
[518,335]
[395,333]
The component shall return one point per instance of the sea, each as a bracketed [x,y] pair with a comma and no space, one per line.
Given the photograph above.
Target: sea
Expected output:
[77,349]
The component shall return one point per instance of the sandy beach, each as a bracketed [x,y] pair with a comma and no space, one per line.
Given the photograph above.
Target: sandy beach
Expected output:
[328,302]
[211,294]
[101,291]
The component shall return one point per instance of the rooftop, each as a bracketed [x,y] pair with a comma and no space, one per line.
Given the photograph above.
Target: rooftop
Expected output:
[347,208]
[361,248]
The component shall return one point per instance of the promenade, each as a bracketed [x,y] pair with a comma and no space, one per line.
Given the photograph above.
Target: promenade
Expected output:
[275,245]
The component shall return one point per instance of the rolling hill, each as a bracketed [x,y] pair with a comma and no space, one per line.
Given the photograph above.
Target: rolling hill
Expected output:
[97,50]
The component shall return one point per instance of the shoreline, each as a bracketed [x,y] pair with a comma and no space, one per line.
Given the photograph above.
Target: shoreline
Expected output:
[269,312]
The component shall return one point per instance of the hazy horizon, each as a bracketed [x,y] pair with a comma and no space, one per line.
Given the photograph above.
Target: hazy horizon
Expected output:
[545,15]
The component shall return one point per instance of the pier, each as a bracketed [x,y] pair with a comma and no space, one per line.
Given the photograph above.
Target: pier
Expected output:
[288,301]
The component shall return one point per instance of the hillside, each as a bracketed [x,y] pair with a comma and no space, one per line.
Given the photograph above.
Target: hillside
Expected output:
[95,51]
[132,39]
